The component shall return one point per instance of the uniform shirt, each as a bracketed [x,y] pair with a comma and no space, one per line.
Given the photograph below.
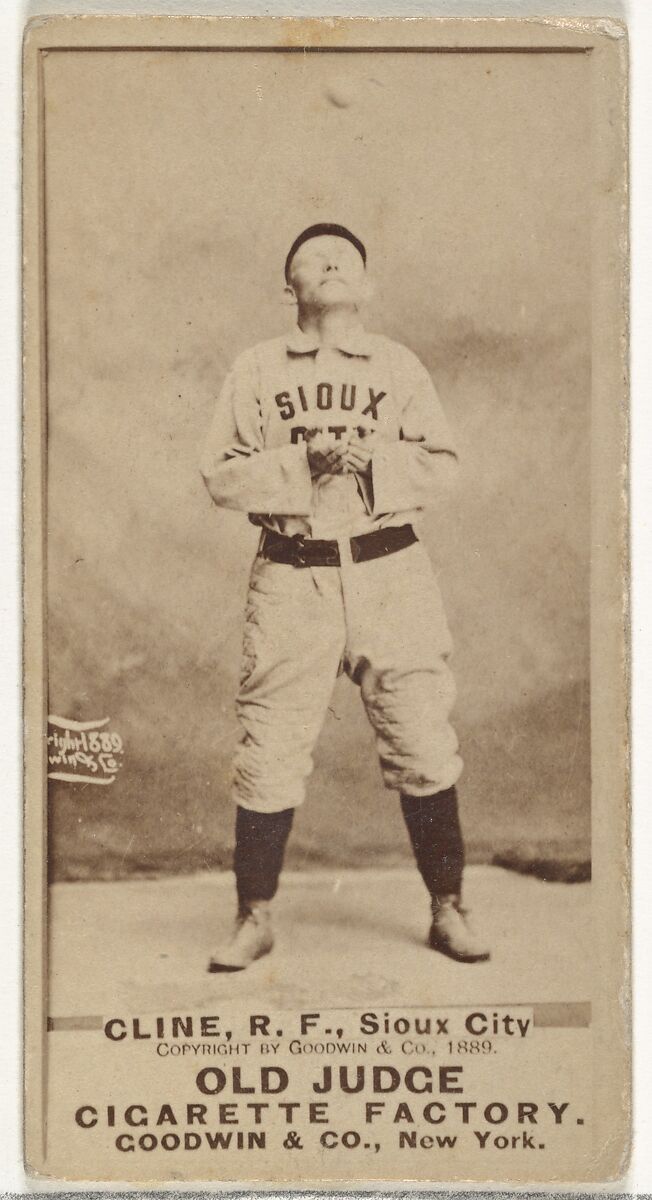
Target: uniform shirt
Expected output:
[255,458]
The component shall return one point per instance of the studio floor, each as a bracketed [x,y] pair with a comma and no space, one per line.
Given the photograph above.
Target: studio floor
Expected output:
[343,938]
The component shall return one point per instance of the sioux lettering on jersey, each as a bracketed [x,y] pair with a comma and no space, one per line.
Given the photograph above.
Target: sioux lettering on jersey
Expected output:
[328,397]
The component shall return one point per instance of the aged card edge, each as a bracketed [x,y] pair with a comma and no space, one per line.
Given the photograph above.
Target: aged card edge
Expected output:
[610,622]
[285,32]
[34,706]
[609,49]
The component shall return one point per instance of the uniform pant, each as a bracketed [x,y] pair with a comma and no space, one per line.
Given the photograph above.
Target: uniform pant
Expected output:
[383,623]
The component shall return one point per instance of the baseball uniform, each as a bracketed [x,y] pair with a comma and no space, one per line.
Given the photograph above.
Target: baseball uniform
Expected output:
[380,620]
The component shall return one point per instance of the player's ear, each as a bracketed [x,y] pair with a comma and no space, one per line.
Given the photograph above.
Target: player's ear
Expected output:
[289,295]
[368,288]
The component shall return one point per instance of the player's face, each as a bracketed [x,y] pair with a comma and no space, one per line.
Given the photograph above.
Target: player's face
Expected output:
[328,272]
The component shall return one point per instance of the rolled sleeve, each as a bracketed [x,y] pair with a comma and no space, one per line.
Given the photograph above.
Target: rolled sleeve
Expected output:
[415,471]
[239,472]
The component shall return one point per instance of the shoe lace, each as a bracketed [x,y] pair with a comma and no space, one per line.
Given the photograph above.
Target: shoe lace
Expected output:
[442,902]
[254,914]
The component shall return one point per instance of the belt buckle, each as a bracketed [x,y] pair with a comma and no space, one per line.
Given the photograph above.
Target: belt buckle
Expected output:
[299,550]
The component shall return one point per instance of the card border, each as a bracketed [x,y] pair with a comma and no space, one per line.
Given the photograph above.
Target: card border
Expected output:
[606,41]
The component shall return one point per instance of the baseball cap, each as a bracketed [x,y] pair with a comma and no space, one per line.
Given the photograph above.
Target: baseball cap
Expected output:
[323,230]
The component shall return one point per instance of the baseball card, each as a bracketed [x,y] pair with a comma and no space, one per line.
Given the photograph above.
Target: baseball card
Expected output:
[325,471]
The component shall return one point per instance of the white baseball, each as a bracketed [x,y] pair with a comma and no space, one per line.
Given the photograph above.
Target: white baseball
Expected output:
[341,93]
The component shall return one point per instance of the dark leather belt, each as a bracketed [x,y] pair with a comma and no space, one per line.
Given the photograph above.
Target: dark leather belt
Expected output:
[299,551]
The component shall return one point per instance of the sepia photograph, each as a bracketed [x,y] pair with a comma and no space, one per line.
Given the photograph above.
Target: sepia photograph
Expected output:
[325,450]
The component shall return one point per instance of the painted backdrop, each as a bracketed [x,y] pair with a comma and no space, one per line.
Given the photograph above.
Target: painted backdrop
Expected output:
[175,183]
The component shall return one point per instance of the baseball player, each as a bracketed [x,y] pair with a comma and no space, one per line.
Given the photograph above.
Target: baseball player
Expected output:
[333,440]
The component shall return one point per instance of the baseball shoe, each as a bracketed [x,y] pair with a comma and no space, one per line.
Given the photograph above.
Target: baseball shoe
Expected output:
[452,932]
[251,939]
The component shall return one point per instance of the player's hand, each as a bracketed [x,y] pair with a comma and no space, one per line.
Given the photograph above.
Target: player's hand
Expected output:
[325,455]
[358,454]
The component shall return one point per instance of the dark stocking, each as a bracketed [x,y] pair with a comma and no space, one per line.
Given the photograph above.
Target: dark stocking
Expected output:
[434,828]
[260,841]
